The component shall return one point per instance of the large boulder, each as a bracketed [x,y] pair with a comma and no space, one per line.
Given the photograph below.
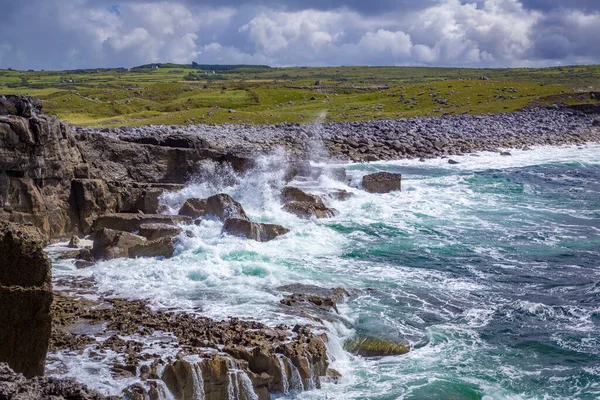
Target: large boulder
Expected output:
[221,206]
[25,299]
[110,244]
[129,222]
[382,182]
[253,230]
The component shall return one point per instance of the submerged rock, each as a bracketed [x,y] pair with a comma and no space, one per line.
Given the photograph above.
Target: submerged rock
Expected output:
[25,299]
[368,346]
[382,182]
[253,230]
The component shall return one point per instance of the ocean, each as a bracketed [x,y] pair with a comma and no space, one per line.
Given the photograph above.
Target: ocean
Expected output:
[489,268]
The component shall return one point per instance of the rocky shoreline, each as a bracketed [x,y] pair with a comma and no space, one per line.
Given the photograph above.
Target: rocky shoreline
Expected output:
[382,140]
[59,182]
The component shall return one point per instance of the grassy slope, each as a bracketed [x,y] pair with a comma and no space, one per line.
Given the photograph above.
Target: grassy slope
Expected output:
[163,96]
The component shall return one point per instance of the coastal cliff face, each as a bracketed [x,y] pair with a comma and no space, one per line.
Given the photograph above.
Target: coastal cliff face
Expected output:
[25,299]
[59,181]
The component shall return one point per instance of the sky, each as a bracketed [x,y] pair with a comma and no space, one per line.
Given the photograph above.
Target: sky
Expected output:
[70,34]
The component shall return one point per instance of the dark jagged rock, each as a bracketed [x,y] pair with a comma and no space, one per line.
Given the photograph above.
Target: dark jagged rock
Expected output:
[25,298]
[61,181]
[382,182]
[253,230]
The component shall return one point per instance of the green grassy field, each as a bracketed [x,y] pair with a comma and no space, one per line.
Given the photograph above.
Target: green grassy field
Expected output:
[186,94]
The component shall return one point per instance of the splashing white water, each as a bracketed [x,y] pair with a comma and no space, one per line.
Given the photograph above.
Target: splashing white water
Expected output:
[227,276]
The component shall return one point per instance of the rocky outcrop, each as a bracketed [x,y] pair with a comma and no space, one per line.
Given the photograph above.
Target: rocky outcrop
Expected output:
[25,299]
[15,386]
[61,181]
[215,358]
[253,230]
[382,182]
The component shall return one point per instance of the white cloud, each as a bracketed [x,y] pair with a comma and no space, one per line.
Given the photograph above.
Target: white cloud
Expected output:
[85,33]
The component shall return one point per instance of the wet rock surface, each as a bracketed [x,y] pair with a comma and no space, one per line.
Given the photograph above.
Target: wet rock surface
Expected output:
[15,386]
[25,298]
[205,355]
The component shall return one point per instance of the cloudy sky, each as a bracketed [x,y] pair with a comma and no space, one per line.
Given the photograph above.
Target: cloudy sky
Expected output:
[68,34]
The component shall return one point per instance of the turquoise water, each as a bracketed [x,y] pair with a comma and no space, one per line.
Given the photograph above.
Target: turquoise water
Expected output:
[489,268]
